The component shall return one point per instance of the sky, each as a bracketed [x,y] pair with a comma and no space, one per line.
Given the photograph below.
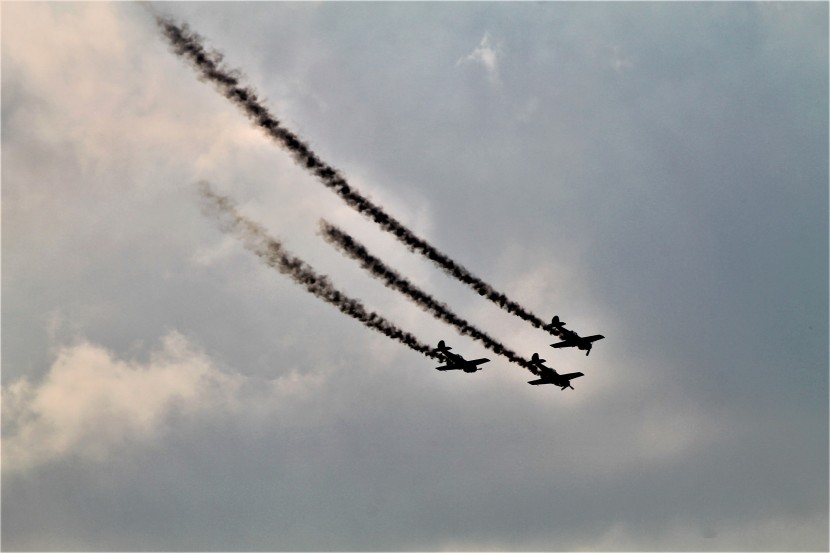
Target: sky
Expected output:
[653,172]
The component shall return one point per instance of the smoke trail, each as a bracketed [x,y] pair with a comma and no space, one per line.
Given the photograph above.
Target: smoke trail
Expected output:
[354,249]
[209,64]
[257,240]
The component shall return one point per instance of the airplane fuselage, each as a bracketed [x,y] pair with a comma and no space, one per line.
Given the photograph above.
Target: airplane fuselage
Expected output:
[550,376]
[454,361]
[571,339]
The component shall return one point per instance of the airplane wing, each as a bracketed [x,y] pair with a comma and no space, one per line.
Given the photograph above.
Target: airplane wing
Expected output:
[594,338]
[539,381]
[569,376]
[471,365]
[447,368]
[565,344]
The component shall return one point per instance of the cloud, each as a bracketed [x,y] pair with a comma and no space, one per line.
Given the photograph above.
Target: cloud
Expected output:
[91,403]
[785,532]
[619,60]
[488,56]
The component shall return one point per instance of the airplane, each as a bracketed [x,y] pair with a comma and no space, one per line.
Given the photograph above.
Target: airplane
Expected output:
[550,376]
[555,327]
[454,361]
[571,339]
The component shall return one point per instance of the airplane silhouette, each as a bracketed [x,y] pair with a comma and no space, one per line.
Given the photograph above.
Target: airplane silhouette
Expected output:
[570,339]
[455,361]
[550,376]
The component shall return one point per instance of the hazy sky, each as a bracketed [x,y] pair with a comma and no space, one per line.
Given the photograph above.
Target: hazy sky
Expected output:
[654,172]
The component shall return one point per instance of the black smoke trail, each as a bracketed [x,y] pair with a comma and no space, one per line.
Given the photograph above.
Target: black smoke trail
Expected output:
[256,239]
[378,269]
[209,64]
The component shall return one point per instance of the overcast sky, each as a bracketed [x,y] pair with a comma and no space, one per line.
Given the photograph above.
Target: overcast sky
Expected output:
[653,172]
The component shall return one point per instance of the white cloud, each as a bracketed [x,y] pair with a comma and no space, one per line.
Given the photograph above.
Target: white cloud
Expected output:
[778,533]
[91,403]
[487,54]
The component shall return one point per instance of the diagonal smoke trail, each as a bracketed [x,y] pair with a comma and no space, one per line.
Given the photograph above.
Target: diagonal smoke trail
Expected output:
[378,269]
[257,240]
[209,65]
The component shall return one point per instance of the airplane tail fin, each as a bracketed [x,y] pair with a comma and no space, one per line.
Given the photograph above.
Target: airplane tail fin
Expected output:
[442,348]
[555,326]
